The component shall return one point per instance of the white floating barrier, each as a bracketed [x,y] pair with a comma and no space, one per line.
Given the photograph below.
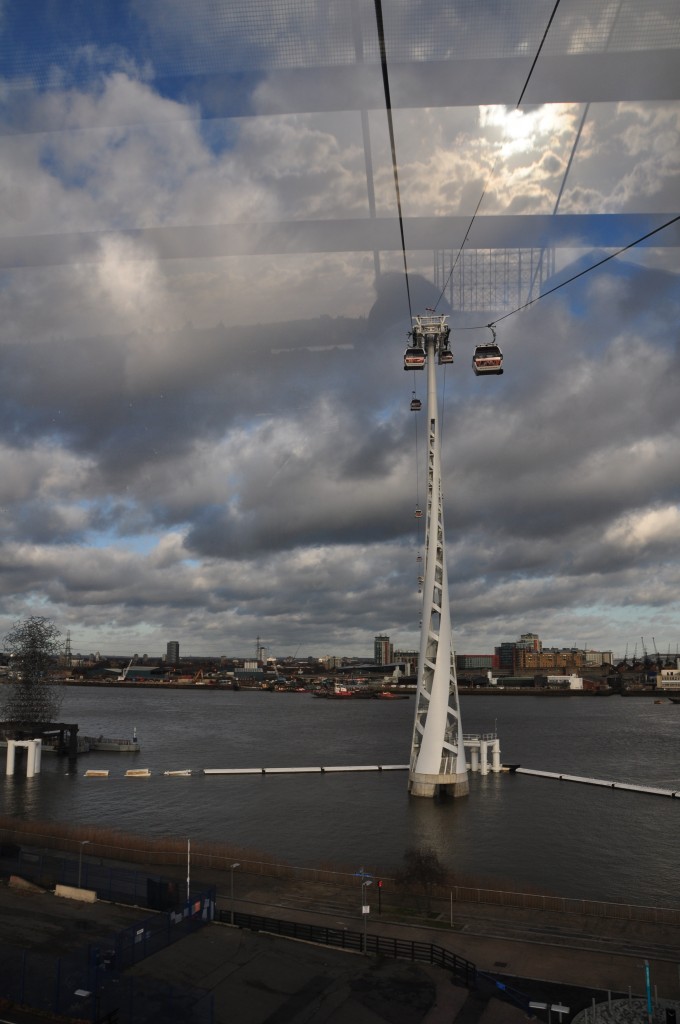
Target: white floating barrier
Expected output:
[307,771]
[606,783]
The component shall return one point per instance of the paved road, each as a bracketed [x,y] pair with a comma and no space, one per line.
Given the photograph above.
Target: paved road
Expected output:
[548,945]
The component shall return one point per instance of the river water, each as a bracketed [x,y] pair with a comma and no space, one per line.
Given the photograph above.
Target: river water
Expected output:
[514,832]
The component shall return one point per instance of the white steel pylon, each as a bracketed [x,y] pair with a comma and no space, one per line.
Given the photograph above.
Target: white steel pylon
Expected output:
[437,753]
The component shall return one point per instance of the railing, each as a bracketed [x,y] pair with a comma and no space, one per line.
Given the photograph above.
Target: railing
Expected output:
[373,945]
[107,881]
[563,904]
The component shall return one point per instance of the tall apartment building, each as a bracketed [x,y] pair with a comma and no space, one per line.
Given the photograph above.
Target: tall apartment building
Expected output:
[172,653]
[383,652]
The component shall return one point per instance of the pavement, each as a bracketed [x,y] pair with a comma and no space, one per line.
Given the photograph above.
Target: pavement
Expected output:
[552,958]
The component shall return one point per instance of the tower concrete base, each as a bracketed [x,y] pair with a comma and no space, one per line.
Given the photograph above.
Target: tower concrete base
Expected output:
[420,784]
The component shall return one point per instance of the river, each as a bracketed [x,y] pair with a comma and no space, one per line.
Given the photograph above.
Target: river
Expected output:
[513,832]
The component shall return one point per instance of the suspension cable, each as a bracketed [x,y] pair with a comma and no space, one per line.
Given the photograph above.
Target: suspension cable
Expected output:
[390,125]
[495,163]
[581,273]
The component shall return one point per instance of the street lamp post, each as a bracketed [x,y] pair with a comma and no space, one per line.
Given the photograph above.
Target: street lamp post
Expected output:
[231,870]
[365,909]
[83,842]
[648,991]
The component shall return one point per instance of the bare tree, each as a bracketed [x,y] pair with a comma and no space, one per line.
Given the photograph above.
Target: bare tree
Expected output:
[422,872]
[33,645]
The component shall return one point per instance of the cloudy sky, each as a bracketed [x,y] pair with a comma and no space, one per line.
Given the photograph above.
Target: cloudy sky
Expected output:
[205,432]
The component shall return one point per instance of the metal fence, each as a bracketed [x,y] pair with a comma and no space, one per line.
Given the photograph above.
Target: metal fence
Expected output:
[89,984]
[373,945]
[114,884]
[565,905]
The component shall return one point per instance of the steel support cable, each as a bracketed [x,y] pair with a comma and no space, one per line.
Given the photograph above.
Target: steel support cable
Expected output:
[538,52]
[577,140]
[581,273]
[495,164]
[390,125]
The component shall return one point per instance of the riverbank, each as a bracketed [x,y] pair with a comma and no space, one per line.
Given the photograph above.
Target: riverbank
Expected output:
[570,959]
[399,689]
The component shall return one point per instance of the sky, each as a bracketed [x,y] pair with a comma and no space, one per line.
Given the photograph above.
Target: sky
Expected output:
[205,433]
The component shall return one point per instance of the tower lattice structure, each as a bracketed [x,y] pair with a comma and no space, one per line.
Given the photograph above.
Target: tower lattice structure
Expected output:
[437,752]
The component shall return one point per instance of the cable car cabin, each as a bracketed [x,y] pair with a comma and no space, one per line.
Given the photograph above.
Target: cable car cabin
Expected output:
[416,405]
[487,359]
[445,355]
[419,513]
[414,358]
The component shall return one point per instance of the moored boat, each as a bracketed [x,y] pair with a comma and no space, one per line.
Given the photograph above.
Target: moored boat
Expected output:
[120,745]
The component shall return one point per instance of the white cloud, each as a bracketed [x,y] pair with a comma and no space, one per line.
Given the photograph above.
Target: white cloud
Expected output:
[646,528]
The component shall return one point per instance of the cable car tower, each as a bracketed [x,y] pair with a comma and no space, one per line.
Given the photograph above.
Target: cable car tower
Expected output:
[437,751]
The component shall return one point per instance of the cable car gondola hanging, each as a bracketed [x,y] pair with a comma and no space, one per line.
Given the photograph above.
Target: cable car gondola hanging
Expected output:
[414,356]
[416,404]
[488,359]
[445,355]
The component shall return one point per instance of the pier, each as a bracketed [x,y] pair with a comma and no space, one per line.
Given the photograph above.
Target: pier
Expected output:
[36,738]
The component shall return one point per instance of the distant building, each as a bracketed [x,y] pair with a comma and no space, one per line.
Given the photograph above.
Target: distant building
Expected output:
[570,682]
[332,662]
[172,653]
[408,660]
[465,662]
[383,653]
[598,657]
[505,655]
[668,678]
[529,654]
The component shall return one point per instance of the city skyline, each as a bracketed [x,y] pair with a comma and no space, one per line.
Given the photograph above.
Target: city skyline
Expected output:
[206,427]
[176,652]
